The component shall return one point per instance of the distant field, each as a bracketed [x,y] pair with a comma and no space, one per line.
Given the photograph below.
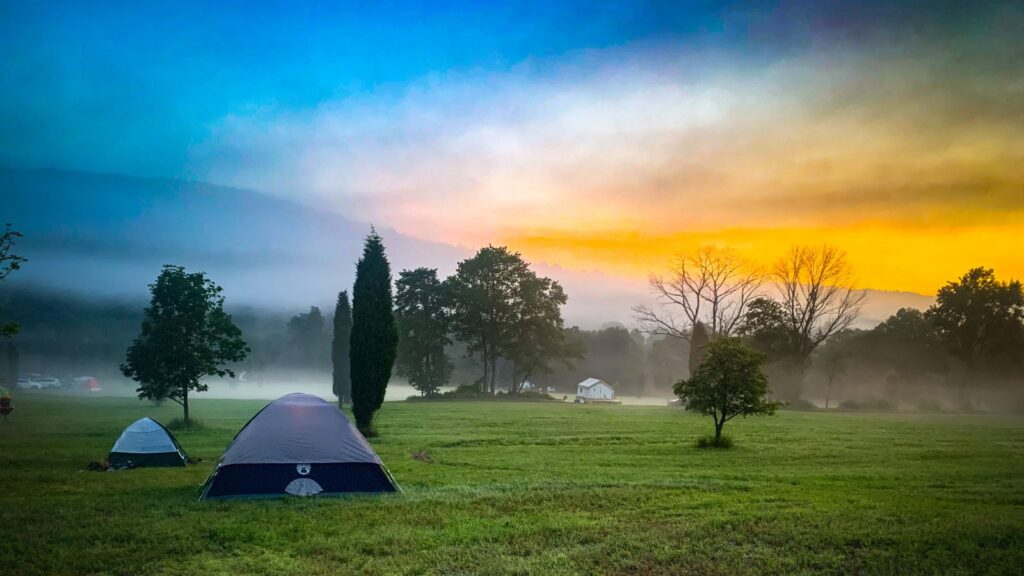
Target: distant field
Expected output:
[532,488]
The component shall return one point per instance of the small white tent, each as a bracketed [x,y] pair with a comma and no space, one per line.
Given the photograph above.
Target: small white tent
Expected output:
[594,389]
[146,443]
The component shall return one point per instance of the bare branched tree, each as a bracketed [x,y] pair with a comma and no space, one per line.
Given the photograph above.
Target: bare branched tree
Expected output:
[712,285]
[817,290]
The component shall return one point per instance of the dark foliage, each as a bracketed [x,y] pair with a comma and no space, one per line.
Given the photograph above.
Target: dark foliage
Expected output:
[980,321]
[724,442]
[307,340]
[699,340]
[186,335]
[538,335]
[374,341]
[423,320]
[728,383]
[9,262]
[483,292]
[341,375]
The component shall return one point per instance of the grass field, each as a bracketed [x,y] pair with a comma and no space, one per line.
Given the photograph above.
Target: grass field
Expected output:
[528,488]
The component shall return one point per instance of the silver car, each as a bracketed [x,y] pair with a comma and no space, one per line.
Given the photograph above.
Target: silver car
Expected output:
[38,383]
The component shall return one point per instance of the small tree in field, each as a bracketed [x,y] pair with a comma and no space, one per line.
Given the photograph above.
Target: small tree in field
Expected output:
[185,336]
[727,383]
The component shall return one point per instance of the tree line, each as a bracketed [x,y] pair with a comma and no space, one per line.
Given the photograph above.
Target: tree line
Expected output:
[799,314]
[494,305]
[971,337]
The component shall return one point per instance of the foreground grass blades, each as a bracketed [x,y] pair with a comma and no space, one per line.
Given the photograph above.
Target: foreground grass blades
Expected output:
[532,488]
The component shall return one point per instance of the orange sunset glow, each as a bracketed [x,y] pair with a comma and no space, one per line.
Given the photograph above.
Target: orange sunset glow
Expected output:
[885,257]
[905,155]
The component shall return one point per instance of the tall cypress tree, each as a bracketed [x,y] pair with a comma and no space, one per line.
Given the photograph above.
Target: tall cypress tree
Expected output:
[339,349]
[374,341]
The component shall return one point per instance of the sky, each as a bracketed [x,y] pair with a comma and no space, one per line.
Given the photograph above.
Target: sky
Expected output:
[588,135]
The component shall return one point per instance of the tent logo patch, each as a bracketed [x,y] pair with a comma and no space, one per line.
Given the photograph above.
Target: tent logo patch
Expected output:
[303,469]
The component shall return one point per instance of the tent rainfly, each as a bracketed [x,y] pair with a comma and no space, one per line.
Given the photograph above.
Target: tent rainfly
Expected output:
[146,443]
[299,445]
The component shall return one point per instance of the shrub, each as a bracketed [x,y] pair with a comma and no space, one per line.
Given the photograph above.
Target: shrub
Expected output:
[527,395]
[464,391]
[181,424]
[801,405]
[710,442]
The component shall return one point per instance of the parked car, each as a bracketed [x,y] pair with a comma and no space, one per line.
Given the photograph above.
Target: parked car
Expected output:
[87,383]
[47,382]
[36,382]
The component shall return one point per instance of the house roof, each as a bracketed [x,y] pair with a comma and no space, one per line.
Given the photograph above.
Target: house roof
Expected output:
[591,382]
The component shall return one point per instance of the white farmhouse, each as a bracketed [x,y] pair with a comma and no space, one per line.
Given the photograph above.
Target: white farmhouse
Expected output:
[594,389]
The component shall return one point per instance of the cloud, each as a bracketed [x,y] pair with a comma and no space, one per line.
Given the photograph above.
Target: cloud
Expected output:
[662,141]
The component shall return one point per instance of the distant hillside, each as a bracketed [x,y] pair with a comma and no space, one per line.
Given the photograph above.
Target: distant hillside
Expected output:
[109,235]
[883,303]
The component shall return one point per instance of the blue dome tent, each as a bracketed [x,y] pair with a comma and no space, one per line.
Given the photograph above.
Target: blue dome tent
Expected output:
[146,443]
[299,445]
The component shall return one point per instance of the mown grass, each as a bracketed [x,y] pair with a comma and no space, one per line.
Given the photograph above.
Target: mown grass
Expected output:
[532,488]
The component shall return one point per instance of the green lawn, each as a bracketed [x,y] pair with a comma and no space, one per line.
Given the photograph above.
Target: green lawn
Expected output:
[527,488]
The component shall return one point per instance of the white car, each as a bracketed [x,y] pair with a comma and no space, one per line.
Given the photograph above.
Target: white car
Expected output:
[46,382]
[38,383]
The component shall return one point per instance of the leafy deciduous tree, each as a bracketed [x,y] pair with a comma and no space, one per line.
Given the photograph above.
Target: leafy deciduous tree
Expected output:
[728,383]
[980,320]
[699,340]
[909,343]
[538,335]
[308,342]
[765,329]
[483,292]
[423,320]
[185,336]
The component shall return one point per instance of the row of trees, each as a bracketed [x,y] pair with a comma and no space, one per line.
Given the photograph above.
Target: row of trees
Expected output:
[186,336]
[494,305]
[973,333]
[801,311]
